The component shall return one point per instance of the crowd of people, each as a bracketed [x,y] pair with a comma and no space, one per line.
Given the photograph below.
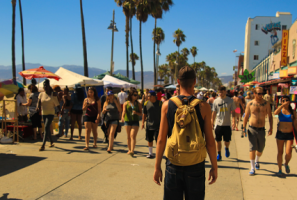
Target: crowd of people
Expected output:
[164,117]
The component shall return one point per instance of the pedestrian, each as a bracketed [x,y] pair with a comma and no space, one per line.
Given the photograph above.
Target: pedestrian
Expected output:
[104,96]
[257,109]
[242,106]
[211,99]
[92,106]
[200,95]
[132,111]
[284,134]
[179,179]
[122,97]
[267,97]
[152,116]
[64,114]
[159,94]
[238,103]
[223,107]
[167,94]
[76,112]
[47,101]
[35,116]
[177,90]
[163,98]
[21,105]
[145,96]
[112,111]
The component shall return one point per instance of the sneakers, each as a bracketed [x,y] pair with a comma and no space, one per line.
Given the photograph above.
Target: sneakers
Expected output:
[219,157]
[257,165]
[227,152]
[252,172]
[150,156]
[287,169]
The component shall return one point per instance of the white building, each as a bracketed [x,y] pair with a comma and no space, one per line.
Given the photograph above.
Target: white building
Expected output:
[261,33]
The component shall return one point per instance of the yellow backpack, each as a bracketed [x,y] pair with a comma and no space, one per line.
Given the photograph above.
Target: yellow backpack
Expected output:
[186,145]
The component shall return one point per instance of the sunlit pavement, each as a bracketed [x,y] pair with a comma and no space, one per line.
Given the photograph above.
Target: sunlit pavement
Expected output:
[68,172]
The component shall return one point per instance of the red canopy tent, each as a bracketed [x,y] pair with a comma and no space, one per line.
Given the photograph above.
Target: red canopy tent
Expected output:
[38,73]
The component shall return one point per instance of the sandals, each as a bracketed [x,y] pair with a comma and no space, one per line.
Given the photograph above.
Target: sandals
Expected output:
[86,148]
[52,145]
[41,149]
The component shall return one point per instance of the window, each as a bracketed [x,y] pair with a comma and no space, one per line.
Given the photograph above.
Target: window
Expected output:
[256,57]
[257,26]
[294,48]
[284,27]
[256,43]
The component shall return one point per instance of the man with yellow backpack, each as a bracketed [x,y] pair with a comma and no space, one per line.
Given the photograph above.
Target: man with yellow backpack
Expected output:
[186,121]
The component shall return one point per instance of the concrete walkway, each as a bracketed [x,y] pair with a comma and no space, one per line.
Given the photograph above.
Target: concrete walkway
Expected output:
[68,172]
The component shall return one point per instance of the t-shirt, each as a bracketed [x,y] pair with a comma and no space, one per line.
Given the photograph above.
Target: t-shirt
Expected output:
[122,97]
[32,107]
[153,112]
[48,103]
[22,110]
[200,96]
[223,107]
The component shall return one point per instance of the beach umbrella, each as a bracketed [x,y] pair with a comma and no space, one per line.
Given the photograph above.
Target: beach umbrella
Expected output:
[8,88]
[38,73]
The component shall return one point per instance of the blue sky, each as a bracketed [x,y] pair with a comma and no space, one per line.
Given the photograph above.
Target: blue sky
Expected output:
[52,31]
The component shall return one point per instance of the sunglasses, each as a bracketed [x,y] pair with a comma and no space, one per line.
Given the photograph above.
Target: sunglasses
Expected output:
[285,100]
[135,95]
[258,93]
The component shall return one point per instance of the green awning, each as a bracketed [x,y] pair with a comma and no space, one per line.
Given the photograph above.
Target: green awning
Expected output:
[285,67]
[293,64]
[271,73]
[276,71]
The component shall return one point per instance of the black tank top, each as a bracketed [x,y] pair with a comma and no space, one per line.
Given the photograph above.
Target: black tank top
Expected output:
[172,110]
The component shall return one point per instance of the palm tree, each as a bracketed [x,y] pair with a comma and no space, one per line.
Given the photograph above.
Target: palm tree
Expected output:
[158,38]
[13,2]
[132,11]
[158,6]
[197,68]
[133,58]
[194,52]
[164,71]
[86,73]
[170,58]
[142,12]
[179,38]
[23,48]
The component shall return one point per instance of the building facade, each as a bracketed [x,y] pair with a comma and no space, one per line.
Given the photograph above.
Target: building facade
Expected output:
[261,33]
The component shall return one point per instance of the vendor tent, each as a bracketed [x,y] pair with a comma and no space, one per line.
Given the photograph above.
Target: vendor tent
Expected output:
[69,79]
[122,77]
[101,76]
[116,81]
[203,89]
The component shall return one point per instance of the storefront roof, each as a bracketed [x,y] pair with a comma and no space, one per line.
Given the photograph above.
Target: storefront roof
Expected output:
[293,64]
[276,81]
[286,67]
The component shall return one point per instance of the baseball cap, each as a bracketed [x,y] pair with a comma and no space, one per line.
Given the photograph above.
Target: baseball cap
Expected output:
[186,72]
[152,93]
[109,93]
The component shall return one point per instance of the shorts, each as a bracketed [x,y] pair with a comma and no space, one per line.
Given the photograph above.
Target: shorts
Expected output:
[284,136]
[150,135]
[223,131]
[89,119]
[36,120]
[76,112]
[237,110]
[241,109]
[256,139]
[135,123]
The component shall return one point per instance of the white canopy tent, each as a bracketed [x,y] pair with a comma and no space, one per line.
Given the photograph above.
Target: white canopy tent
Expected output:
[119,82]
[69,79]
[203,89]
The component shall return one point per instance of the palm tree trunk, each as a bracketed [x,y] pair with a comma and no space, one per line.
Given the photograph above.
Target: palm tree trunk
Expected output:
[127,46]
[141,64]
[133,65]
[13,41]
[23,48]
[155,72]
[86,73]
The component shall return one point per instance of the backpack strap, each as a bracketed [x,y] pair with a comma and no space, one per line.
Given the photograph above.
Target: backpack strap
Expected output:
[176,101]
[195,102]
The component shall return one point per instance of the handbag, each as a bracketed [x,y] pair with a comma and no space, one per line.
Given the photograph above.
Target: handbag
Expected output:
[119,127]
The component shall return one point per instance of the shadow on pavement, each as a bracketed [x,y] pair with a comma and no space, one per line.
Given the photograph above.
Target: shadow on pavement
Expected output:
[78,151]
[5,196]
[11,162]
[227,167]
[247,161]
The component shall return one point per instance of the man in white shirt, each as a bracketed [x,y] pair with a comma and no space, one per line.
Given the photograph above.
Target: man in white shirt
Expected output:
[122,97]
[22,109]
[200,95]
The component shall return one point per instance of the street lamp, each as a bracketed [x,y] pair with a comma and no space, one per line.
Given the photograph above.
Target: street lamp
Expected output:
[158,53]
[112,27]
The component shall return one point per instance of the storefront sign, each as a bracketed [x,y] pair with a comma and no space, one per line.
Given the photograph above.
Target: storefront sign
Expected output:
[247,77]
[293,89]
[292,70]
[294,82]
[283,73]
[273,76]
[284,52]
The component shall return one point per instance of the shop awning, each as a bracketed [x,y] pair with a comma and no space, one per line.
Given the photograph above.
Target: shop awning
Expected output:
[285,67]
[293,64]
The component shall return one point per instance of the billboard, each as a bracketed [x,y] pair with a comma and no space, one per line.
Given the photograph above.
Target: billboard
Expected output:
[284,51]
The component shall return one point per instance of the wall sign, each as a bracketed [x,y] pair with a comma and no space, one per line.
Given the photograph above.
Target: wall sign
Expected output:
[292,70]
[283,73]
[247,77]
[273,76]
[272,27]
[284,52]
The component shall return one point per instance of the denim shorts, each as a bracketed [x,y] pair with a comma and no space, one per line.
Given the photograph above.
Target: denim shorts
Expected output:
[135,123]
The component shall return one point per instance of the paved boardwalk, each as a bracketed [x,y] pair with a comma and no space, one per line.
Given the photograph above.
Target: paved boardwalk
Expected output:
[68,172]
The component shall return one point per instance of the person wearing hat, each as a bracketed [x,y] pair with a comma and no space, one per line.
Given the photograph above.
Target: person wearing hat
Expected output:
[152,116]
[130,115]
[112,110]
[76,112]
[173,175]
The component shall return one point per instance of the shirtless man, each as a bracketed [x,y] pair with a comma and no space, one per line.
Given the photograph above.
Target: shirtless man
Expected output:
[145,96]
[258,108]
[238,102]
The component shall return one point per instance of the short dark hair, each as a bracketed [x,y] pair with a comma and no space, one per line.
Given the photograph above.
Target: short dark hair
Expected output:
[222,88]
[213,94]
[236,93]
[33,88]
[123,89]
[187,83]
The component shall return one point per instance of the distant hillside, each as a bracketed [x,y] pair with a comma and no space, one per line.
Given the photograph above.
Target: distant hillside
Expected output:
[6,72]
[226,79]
